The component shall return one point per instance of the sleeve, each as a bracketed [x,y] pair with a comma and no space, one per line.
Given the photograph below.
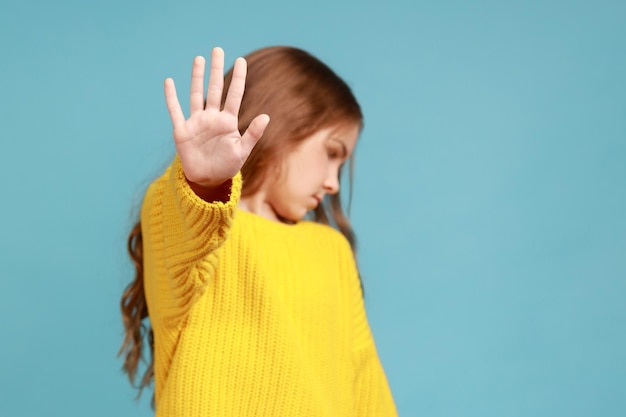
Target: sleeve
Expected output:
[181,234]
[372,395]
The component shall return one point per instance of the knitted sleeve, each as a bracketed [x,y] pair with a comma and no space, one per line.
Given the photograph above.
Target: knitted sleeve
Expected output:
[181,234]
[372,396]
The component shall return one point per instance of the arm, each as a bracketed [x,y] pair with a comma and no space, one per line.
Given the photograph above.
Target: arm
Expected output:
[188,211]
[371,389]
[181,235]
[372,396]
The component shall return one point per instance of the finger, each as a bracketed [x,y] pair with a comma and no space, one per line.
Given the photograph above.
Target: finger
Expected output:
[173,106]
[254,132]
[216,80]
[237,87]
[196,91]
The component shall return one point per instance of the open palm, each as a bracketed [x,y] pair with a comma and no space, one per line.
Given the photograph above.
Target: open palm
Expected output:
[208,143]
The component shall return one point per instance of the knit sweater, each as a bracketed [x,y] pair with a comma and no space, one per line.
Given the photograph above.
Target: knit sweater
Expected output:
[253,317]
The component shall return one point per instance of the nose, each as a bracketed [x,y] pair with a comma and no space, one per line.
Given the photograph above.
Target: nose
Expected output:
[331,184]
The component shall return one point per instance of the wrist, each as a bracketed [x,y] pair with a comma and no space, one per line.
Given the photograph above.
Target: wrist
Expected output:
[212,193]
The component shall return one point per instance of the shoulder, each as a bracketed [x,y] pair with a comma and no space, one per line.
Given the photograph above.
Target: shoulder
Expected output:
[324,231]
[308,235]
[328,238]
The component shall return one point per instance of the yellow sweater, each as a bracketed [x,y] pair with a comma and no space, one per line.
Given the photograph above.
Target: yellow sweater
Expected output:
[252,317]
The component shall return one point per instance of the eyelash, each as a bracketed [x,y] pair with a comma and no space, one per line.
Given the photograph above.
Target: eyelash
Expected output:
[333,153]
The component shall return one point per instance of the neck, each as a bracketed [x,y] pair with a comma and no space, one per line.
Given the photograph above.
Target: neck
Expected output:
[258,205]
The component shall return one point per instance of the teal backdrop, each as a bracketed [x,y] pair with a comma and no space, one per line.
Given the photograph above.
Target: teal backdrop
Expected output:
[489,197]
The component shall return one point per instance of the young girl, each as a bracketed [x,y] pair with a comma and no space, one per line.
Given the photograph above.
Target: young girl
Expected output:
[254,311]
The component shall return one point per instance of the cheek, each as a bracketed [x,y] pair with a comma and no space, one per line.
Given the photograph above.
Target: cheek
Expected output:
[307,169]
[321,164]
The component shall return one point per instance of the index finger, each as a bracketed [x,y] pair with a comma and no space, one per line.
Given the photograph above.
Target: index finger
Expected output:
[237,87]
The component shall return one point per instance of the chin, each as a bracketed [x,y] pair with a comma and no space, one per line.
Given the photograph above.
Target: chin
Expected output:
[294,216]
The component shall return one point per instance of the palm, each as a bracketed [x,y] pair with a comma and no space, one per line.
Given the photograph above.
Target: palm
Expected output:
[208,143]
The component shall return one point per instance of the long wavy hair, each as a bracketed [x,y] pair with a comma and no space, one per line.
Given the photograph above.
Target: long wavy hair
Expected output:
[301,95]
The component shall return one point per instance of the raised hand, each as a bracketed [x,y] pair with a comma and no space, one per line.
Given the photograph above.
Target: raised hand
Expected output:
[208,143]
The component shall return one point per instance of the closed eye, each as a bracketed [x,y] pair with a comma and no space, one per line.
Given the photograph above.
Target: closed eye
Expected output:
[333,154]
[337,149]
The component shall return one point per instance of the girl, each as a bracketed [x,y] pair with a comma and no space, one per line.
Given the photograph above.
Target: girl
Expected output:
[254,310]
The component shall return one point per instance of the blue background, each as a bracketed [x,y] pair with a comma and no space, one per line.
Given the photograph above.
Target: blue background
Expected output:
[489,198]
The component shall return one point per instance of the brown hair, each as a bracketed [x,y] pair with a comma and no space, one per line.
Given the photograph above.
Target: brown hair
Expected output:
[301,95]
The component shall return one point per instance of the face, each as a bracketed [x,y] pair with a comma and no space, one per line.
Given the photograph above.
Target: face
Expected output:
[310,172]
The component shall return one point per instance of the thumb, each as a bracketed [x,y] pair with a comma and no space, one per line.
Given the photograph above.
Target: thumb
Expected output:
[254,132]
